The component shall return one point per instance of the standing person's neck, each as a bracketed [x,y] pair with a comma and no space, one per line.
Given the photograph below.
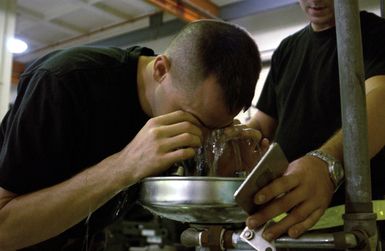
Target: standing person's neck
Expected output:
[318,28]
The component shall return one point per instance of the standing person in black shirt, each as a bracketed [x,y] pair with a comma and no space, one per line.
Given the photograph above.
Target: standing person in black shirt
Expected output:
[89,123]
[299,108]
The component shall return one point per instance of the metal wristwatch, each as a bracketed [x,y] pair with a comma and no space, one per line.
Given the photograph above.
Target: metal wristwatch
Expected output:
[335,168]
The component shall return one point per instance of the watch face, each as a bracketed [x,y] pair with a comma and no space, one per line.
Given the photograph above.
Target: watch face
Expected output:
[336,174]
[338,170]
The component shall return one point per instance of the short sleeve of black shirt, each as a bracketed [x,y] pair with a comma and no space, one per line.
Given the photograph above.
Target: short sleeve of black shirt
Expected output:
[69,116]
[39,134]
[373,28]
[74,108]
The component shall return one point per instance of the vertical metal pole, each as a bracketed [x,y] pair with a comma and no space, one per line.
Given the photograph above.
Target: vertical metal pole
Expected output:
[382,8]
[359,210]
[7,28]
[352,88]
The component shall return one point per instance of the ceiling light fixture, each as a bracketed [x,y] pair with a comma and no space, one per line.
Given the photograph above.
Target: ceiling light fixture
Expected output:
[15,45]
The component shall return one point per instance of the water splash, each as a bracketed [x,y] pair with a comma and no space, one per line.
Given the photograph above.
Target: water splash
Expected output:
[124,196]
[86,237]
[208,156]
[216,143]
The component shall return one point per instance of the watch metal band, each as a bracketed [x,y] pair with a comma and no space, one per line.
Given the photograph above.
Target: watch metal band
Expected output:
[335,168]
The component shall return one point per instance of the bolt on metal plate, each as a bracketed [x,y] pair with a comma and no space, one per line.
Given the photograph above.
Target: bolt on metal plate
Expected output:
[254,239]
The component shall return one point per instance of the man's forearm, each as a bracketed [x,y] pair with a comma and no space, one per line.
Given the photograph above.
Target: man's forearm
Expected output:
[334,146]
[375,101]
[41,215]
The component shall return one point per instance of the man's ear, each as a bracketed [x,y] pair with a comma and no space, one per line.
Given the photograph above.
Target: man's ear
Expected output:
[161,67]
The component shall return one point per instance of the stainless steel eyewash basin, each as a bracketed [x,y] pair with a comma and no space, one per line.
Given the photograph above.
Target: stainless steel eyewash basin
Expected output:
[192,199]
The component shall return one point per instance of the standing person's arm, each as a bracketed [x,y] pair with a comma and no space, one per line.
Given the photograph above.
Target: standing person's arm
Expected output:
[306,187]
[375,103]
[31,218]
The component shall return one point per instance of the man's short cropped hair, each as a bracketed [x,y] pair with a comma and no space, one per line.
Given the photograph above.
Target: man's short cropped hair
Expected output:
[221,49]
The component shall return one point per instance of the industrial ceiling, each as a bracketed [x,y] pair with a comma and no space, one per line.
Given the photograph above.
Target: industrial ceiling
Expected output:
[52,24]
[47,25]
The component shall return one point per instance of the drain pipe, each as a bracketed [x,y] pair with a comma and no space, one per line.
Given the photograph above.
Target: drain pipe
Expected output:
[358,195]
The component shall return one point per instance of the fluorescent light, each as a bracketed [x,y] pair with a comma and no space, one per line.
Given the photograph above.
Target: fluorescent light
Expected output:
[16,45]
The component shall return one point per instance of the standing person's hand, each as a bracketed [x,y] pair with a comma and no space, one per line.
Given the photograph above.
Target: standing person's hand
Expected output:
[304,192]
[163,141]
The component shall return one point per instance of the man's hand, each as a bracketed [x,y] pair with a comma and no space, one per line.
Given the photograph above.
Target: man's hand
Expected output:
[163,141]
[242,151]
[304,192]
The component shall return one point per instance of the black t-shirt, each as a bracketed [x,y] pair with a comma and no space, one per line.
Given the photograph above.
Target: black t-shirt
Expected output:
[74,108]
[302,90]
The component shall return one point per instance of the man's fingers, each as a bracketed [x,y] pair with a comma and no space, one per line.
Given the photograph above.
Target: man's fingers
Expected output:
[180,154]
[173,157]
[242,132]
[265,142]
[176,117]
[298,229]
[252,134]
[183,140]
[274,208]
[179,128]
[277,187]
[233,131]
[298,221]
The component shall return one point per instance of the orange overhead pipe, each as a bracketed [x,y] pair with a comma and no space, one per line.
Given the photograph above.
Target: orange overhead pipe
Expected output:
[188,10]
[205,6]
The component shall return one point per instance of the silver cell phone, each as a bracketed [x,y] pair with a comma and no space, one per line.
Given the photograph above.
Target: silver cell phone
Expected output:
[271,166]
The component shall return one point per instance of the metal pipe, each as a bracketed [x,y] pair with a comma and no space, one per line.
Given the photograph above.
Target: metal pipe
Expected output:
[319,241]
[353,104]
[229,239]
[382,8]
[212,12]
[358,194]
[338,240]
